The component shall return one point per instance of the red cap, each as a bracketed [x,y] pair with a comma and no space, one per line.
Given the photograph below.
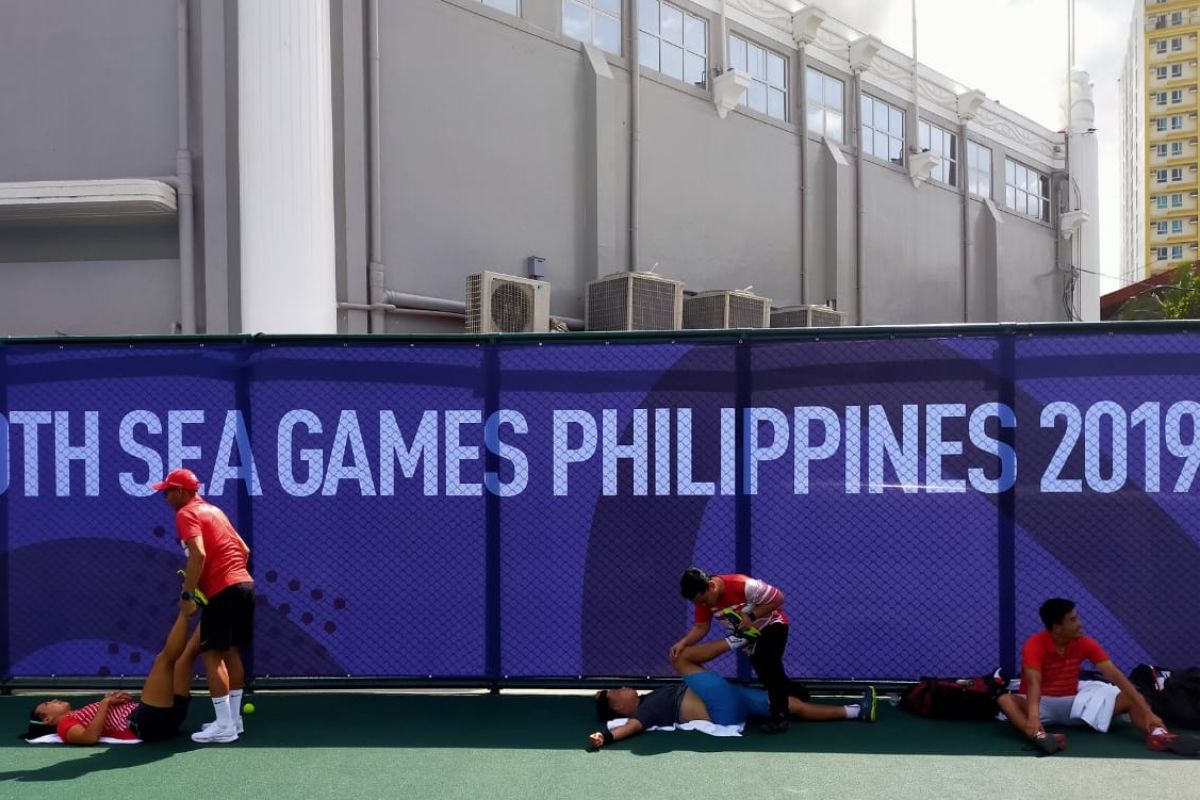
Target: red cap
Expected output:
[179,479]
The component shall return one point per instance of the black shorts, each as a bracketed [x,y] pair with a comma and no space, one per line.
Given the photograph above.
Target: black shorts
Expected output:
[154,723]
[228,619]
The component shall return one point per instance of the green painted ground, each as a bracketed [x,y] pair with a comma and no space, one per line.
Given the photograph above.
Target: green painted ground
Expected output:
[509,747]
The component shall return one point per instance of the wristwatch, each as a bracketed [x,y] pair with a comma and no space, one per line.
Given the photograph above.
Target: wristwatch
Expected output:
[187,596]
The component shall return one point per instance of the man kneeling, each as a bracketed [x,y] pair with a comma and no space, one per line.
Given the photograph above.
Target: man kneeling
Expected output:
[705,695]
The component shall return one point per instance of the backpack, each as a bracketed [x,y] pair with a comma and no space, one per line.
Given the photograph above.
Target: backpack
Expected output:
[955,698]
[1176,699]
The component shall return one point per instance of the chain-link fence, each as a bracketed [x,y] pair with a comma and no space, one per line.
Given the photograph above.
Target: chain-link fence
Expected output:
[518,508]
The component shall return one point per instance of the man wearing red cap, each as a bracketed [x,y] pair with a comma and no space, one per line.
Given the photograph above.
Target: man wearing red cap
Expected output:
[216,565]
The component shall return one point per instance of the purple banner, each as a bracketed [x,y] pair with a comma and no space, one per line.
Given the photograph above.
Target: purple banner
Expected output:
[520,509]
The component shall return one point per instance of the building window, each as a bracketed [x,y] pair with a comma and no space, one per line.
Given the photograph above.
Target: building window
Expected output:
[1161,73]
[1176,148]
[673,42]
[508,6]
[883,130]
[1176,96]
[594,21]
[1176,123]
[1026,191]
[1176,70]
[1176,201]
[1160,202]
[1160,98]
[1161,150]
[1160,176]
[1176,45]
[768,77]
[1160,254]
[1176,252]
[1176,227]
[1160,47]
[1161,228]
[826,101]
[943,144]
[1176,174]
[979,170]
[1161,124]
[1176,17]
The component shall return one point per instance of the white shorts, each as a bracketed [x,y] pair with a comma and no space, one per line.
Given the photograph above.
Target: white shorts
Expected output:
[1093,706]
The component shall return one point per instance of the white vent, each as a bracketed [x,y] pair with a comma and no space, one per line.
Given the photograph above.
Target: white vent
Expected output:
[807,317]
[726,309]
[507,304]
[634,301]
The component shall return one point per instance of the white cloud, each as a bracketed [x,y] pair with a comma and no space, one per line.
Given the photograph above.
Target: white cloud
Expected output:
[1015,51]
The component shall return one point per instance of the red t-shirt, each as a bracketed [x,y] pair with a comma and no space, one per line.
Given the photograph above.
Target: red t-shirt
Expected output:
[224,562]
[116,723]
[742,593]
[1060,674]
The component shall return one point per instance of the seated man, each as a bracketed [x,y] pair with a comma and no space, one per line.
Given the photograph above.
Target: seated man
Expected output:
[163,707]
[1050,684]
[705,695]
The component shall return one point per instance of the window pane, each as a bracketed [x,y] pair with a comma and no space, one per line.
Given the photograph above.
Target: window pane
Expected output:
[881,116]
[923,136]
[816,121]
[813,87]
[1010,172]
[577,21]
[834,126]
[1031,182]
[608,34]
[758,96]
[608,6]
[866,110]
[1010,197]
[648,50]
[775,72]
[737,54]
[672,25]
[648,15]
[758,62]
[895,151]
[694,69]
[672,60]
[695,35]
[880,148]
[834,90]
[896,122]
[776,103]
[1034,206]
[952,174]
[504,5]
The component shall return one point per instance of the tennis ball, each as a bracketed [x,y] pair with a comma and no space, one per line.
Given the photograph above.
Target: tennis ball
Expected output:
[248,708]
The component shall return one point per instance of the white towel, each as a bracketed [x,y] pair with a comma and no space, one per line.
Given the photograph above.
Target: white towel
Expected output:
[1094,704]
[702,725]
[54,738]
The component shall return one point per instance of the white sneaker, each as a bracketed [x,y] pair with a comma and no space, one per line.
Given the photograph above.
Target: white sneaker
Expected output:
[215,733]
[238,726]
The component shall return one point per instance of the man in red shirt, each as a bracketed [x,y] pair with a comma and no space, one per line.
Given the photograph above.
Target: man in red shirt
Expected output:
[1049,691]
[216,564]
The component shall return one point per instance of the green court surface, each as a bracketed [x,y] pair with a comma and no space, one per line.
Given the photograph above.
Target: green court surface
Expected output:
[505,747]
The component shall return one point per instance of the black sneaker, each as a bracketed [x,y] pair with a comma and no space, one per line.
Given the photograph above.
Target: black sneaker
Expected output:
[867,705]
[776,724]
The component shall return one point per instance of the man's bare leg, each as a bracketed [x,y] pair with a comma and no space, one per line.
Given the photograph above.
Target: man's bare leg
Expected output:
[159,689]
[815,712]
[693,658]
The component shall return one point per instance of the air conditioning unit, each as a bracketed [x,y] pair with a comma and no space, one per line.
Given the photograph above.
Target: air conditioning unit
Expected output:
[726,309]
[507,304]
[807,317]
[634,301]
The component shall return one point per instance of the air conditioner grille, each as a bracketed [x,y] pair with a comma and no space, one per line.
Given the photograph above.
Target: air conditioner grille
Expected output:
[704,311]
[512,307]
[633,301]
[654,305]
[748,312]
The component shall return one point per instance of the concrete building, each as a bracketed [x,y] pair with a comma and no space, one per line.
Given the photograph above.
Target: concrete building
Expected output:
[343,165]
[1159,85]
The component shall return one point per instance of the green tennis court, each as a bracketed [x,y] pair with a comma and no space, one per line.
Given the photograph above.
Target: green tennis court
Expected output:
[510,746]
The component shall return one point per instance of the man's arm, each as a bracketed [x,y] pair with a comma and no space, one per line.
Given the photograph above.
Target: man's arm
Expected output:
[78,734]
[195,566]
[630,728]
[1109,670]
[695,634]
[1033,683]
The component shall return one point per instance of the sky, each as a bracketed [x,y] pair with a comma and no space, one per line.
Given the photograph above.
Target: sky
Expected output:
[1015,52]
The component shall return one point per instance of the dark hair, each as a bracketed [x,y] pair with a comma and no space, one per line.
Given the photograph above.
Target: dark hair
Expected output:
[693,582]
[1053,611]
[37,728]
[603,709]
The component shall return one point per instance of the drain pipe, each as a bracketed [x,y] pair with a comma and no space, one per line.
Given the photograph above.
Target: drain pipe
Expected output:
[183,189]
[635,134]
[964,178]
[802,132]
[375,270]
[860,210]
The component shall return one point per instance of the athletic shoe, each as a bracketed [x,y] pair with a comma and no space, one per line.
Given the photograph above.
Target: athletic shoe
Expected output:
[215,733]
[776,724]
[866,707]
[1179,743]
[238,726]
[1049,745]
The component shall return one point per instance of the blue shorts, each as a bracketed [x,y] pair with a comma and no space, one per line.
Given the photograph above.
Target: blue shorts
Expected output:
[727,704]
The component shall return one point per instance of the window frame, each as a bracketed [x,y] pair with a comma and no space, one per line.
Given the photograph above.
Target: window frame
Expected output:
[593,11]
[867,123]
[491,4]
[1019,185]
[765,81]
[825,80]
[947,170]
[682,45]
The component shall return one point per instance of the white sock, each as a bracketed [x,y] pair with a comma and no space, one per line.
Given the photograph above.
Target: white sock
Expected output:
[235,704]
[1158,731]
[853,712]
[224,714]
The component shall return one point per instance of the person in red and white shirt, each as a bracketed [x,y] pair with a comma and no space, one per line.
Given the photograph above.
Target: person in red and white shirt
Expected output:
[217,565]
[752,612]
[166,695]
[1049,688]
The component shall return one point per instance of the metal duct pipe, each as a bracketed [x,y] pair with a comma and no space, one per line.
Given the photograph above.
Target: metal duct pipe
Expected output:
[183,188]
